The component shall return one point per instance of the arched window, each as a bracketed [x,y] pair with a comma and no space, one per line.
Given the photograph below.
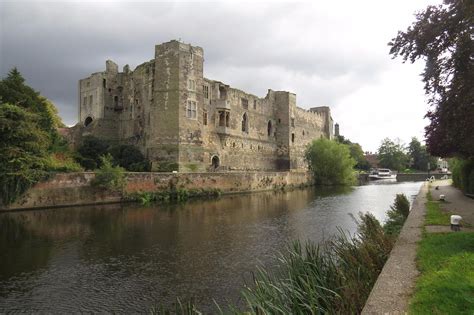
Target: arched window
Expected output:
[245,123]
[88,121]
[269,128]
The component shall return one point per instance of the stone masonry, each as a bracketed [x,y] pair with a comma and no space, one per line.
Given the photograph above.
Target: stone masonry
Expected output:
[183,121]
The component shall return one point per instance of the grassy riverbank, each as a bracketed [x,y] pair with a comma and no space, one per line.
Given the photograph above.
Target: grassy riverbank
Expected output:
[446,264]
[446,284]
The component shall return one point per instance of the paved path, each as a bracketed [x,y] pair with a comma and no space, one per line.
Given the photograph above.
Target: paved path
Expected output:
[456,202]
[395,284]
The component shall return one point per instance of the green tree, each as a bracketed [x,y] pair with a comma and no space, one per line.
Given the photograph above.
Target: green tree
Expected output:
[419,156]
[392,155]
[443,37]
[23,150]
[129,157]
[13,90]
[330,162]
[356,153]
[90,151]
[109,176]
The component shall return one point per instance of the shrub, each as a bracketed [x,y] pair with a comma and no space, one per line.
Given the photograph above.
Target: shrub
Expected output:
[129,157]
[109,176]
[463,174]
[330,162]
[397,215]
[90,152]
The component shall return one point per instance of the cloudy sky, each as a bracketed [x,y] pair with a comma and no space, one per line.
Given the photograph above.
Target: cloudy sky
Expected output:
[331,53]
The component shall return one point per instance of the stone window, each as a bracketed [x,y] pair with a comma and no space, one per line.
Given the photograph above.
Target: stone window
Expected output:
[91,99]
[84,101]
[269,128]
[292,122]
[245,103]
[303,132]
[205,90]
[254,104]
[88,84]
[227,119]
[116,101]
[221,118]
[222,93]
[245,123]
[136,101]
[104,83]
[204,117]
[293,138]
[191,85]
[279,120]
[191,109]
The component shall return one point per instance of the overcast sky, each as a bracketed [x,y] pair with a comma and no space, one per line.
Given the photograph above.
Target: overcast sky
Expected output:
[330,53]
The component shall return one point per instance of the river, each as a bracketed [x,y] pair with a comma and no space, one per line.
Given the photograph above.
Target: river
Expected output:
[128,258]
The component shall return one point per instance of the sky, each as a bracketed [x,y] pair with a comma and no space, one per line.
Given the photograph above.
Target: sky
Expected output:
[330,53]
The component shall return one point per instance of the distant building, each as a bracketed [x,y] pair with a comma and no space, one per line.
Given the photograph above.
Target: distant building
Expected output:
[183,121]
[373,159]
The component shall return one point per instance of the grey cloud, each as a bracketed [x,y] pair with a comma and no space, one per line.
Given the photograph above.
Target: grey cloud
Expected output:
[285,46]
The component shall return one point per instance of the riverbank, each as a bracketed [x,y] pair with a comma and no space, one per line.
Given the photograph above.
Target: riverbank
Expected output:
[74,189]
[400,288]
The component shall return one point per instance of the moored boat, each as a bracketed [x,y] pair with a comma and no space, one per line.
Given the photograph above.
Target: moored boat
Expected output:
[382,173]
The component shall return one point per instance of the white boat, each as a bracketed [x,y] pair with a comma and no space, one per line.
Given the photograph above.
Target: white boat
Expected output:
[382,173]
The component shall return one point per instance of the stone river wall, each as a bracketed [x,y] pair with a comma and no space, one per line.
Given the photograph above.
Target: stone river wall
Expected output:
[72,189]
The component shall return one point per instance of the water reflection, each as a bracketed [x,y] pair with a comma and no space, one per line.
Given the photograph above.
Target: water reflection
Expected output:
[126,258]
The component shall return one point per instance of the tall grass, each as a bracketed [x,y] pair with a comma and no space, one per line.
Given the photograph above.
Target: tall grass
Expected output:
[336,277]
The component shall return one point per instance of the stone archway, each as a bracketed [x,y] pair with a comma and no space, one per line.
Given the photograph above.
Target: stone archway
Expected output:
[88,121]
[215,162]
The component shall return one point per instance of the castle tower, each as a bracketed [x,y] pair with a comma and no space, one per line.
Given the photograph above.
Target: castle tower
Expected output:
[336,130]
[177,97]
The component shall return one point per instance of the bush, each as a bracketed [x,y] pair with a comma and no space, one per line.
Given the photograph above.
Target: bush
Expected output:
[109,176]
[397,215]
[129,157]
[463,174]
[330,162]
[90,152]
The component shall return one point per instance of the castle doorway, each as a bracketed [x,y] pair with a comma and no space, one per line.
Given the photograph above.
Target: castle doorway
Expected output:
[215,162]
[88,121]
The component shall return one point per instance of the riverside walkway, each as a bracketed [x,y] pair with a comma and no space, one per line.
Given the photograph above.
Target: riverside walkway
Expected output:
[395,284]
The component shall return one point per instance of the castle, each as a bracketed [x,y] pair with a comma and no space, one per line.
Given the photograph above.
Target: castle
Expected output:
[183,121]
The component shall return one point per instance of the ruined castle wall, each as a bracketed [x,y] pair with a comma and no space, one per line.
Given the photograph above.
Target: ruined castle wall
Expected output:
[174,115]
[308,126]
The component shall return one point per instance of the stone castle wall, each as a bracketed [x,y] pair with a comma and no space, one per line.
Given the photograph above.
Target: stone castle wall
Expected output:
[182,121]
[70,189]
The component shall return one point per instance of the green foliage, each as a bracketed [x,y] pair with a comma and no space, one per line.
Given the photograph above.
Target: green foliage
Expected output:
[419,156]
[442,37]
[397,215]
[127,156]
[356,153]
[391,154]
[28,137]
[172,195]
[23,151]
[109,176]
[62,162]
[336,278]
[90,152]
[463,174]
[446,262]
[330,162]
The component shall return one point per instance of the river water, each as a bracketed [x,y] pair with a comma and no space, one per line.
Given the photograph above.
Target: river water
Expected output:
[128,258]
